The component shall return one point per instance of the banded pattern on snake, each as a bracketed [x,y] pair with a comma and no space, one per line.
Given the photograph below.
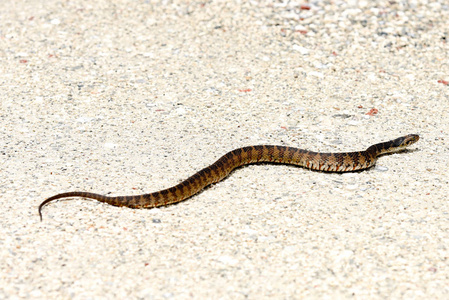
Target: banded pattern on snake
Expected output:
[326,162]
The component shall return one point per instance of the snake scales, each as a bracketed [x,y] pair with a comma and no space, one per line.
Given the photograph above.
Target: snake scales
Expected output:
[327,162]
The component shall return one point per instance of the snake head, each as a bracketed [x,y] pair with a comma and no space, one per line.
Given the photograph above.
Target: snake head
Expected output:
[405,141]
[409,139]
[395,145]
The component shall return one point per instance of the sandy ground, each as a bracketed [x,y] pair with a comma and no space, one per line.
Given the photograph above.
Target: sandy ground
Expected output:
[132,97]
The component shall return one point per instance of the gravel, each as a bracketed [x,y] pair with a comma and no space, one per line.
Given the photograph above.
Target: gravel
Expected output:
[133,96]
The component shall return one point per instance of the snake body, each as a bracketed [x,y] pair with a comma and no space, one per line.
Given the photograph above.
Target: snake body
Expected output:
[326,162]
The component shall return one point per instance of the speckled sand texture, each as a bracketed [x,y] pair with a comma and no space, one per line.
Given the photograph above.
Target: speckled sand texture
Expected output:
[135,96]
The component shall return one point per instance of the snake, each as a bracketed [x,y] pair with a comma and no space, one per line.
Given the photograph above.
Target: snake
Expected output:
[325,162]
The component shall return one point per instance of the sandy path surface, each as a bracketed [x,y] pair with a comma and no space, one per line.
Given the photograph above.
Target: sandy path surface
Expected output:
[132,97]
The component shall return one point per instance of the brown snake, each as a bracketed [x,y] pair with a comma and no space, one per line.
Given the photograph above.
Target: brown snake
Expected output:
[327,162]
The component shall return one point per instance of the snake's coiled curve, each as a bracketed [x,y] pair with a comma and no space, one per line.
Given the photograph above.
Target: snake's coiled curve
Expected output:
[326,162]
